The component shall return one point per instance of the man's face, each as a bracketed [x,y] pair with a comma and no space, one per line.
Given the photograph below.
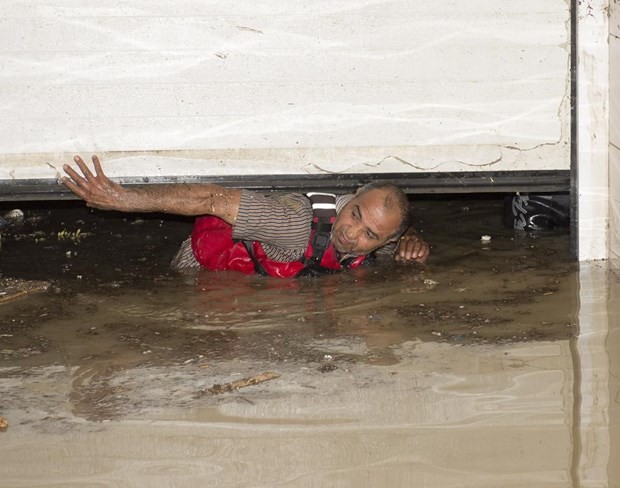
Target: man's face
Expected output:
[364,224]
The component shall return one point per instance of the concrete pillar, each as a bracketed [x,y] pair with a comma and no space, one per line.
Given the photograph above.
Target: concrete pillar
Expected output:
[614,130]
[593,64]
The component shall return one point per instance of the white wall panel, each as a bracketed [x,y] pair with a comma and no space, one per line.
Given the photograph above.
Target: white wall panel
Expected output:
[309,87]
[593,69]
[614,132]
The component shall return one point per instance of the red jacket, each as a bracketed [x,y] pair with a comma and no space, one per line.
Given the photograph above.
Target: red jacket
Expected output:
[215,249]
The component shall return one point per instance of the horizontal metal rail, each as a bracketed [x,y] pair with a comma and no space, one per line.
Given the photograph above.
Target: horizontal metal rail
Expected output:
[413,183]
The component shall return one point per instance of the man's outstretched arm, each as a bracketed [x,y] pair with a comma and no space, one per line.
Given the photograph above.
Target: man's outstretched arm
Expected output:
[98,191]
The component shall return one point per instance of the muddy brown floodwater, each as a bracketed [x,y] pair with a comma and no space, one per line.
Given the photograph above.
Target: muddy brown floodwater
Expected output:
[494,365]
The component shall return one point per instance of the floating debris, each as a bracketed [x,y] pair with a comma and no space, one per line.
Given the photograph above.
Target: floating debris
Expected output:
[15,216]
[242,383]
[430,284]
[12,289]
[65,235]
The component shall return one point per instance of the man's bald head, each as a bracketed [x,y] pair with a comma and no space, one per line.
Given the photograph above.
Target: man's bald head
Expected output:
[394,199]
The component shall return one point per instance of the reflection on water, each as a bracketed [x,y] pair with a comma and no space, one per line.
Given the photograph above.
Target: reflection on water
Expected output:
[495,365]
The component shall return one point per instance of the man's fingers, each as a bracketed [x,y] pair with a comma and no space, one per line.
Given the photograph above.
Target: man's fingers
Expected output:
[73,186]
[412,248]
[80,184]
[419,248]
[101,180]
[97,165]
[423,253]
[89,176]
[75,176]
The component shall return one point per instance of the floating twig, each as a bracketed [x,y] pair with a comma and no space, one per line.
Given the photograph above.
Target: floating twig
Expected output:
[242,383]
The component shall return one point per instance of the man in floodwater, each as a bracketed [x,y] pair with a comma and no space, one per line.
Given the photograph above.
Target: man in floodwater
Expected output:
[283,235]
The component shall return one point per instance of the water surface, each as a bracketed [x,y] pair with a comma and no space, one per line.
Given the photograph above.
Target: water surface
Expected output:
[494,365]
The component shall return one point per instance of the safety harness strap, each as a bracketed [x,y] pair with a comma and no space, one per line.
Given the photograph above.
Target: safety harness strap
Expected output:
[323,217]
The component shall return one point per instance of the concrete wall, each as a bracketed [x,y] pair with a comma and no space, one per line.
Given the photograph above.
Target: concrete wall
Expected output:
[310,87]
[613,340]
[593,63]
[614,128]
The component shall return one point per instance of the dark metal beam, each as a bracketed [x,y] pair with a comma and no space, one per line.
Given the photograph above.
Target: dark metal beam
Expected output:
[414,183]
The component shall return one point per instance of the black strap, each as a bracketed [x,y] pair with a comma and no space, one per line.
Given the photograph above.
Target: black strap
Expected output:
[321,239]
[258,268]
[322,228]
